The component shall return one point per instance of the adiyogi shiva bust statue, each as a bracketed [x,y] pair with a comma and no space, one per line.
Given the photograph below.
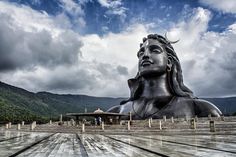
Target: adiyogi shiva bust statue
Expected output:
[158,89]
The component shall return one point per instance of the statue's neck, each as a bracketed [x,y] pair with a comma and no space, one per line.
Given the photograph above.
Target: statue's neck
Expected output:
[156,87]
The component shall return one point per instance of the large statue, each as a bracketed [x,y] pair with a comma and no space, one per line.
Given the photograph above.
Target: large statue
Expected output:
[158,89]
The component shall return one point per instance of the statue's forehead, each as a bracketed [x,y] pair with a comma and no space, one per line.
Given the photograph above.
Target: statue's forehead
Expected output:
[151,42]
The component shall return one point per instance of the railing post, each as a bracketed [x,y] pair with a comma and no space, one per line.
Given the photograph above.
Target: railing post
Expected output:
[32,126]
[7,126]
[192,124]
[130,116]
[209,117]
[172,119]
[102,125]
[128,125]
[222,118]
[164,118]
[196,118]
[18,126]
[83,127]
[186,118]
[160,127]
[212,126]
[149,123]
[23,123]
[60,117]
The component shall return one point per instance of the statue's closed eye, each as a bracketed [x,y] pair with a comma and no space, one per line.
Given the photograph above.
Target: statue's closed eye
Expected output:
[155,49]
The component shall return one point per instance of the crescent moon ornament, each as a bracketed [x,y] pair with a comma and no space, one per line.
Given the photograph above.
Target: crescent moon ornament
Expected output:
[171,42]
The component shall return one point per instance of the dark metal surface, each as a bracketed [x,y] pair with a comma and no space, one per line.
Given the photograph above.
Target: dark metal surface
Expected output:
[158,89]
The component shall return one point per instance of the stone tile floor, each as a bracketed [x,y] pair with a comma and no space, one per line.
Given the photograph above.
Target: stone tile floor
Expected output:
[13,143]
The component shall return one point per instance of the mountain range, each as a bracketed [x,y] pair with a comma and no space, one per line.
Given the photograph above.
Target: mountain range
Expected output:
[17,104]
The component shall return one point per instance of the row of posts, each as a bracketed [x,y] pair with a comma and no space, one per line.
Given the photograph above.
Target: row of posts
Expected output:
[32,125]
[192,123]
[83,127]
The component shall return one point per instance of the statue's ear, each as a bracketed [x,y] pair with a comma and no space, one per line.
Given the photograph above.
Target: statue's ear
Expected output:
[170,60]
[169,63]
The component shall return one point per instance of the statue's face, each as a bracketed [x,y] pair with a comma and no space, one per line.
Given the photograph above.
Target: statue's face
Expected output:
[152,58]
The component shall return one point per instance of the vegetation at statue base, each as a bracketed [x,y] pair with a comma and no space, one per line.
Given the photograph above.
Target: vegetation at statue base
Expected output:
[17,104]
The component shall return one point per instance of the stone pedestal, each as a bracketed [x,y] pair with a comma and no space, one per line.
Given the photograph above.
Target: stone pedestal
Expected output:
[172,119]
[23,123]
[7,126]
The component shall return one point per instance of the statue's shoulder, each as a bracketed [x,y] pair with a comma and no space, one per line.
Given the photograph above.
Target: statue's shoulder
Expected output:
[124,108]
[204,108]
[114,109]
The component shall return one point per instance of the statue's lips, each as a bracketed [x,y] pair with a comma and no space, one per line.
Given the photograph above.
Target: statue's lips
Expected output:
[146,63]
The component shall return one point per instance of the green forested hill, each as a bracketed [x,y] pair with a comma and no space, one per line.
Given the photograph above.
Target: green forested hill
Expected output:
[17,104]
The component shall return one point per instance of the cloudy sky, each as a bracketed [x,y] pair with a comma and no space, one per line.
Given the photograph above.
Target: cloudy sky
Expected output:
[89,46]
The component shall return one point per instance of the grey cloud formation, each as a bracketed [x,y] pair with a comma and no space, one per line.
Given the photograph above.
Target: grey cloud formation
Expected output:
[122,70]
[70,80]
[208,58]
[213,72]
[43,57]
[22,49]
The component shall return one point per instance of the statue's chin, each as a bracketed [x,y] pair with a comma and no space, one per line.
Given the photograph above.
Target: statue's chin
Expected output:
[151,73]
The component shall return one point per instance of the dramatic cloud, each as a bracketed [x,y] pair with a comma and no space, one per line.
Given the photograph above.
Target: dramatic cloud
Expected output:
[34,43]
[40,52]
[42,55]
[228,6]
[208,58]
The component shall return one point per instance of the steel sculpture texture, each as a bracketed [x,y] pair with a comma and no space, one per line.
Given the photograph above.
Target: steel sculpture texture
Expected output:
[158,89]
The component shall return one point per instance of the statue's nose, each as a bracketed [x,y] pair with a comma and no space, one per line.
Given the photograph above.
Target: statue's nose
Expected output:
[146,54]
